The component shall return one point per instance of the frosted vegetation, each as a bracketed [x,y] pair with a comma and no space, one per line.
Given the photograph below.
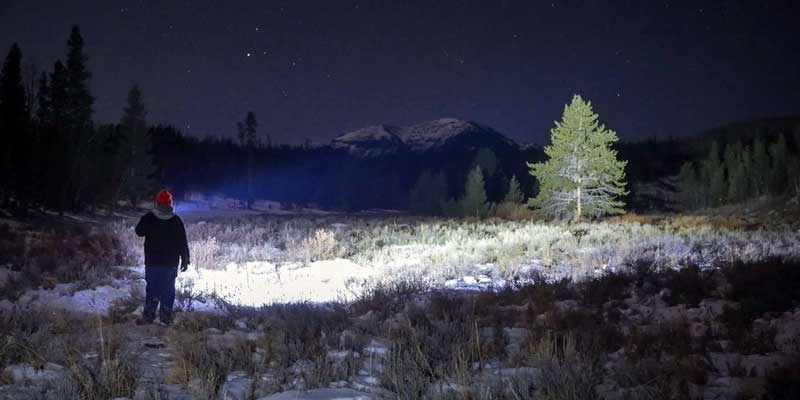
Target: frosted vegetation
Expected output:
[373,250]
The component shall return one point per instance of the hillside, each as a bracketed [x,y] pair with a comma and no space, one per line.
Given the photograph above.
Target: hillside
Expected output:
[426,136]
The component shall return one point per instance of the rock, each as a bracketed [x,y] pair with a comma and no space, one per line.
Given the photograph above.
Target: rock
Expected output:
[20,373]
[698,329]
[761,364]
[227,340]
[445,390]
[376,347]
[787,331]
[162,391]
[515,335]
[564,306]
[730,388]
[14,392]
[534,374]
[259,356]
[238,386]
[6,307]
[6,277]
[515,338]
[321,394]
[241,324]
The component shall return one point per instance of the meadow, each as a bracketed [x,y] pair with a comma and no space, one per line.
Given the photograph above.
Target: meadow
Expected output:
[632,307]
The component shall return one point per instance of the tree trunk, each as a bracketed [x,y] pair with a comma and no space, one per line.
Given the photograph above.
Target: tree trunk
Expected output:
[578,209]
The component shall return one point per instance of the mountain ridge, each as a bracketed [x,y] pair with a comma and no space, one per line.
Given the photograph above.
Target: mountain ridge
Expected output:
[422,137]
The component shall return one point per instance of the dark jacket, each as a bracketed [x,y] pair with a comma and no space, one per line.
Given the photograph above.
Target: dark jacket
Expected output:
[165,243]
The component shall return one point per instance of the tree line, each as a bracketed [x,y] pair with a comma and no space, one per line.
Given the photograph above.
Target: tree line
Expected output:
[57,158]
[54,156]
[739,172]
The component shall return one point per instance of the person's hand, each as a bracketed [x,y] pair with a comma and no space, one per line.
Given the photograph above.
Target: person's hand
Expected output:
[184,266]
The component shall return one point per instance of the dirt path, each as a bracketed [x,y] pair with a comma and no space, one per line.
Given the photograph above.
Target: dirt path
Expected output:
[154,360]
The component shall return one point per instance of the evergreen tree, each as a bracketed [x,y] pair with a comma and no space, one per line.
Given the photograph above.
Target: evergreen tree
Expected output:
[713,174]
[80,101]
[736,163]
[689,186]
[778,177]
[428,193]
[582,175]
[474,203]
[80,145]
[53,129]
[43,101]
[514,194]
[249,140]
[759,176]
[16,137]
[137,155]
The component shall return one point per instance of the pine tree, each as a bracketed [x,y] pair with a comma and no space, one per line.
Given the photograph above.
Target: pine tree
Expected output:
[80,147]
[14,132]
[737,161]
[514,194]
[474,203]
[80,101]
[249,140]
[53,127]
[43,101]
[760,168]
[778,152]
[689,186]
[582,175]
[137,155]
[713,174]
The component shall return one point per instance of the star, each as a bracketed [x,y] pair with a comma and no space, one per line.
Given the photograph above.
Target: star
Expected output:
[248,55]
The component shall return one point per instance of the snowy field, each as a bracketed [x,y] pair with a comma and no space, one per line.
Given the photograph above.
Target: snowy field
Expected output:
[266,256]
[280,305]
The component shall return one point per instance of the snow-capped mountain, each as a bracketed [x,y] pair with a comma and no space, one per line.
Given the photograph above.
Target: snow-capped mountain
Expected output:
[423,137]
[433,134]
[370,141]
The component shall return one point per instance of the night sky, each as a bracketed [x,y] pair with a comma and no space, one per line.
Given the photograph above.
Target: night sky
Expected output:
[318,69]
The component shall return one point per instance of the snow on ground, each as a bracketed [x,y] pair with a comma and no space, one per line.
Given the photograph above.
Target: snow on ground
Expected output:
[259,283]
[63,296]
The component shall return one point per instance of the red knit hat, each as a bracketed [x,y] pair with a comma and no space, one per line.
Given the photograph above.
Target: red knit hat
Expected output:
[164,197]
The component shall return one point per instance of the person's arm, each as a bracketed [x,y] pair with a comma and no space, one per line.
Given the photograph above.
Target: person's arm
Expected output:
[143,226]
[184,243]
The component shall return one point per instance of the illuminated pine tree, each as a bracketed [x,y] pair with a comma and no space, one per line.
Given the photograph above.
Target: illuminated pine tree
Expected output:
[582,175]
[514,194]
[474,203]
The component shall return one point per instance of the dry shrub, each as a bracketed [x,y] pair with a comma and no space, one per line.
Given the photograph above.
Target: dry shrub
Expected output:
[81,254]
[205,253]
[688,222]
[512,212]
[729,223]
[636,218]
[321,245]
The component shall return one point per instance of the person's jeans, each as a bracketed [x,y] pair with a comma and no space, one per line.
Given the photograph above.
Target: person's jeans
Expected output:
[160,292]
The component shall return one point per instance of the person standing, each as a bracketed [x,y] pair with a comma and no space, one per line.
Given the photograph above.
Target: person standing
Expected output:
[165,248]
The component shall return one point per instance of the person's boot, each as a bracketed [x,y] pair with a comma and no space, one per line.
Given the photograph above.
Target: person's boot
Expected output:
[143,321]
